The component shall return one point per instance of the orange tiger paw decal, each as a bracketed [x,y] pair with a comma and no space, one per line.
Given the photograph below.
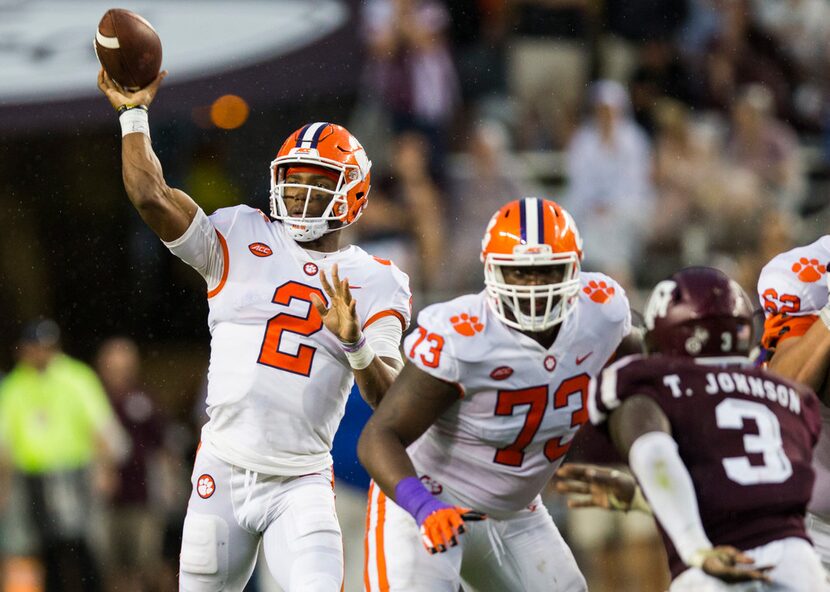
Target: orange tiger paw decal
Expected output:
[599,292]
[466,325]
[809,270]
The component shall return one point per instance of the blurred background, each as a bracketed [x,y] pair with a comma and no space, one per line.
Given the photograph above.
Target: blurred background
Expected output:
[676,132]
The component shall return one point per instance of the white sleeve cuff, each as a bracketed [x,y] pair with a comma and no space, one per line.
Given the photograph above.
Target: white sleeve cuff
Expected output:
[384,337]
[201,249]
[667,485]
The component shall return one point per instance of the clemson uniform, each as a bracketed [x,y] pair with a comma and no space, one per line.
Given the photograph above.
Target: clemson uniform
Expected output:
[519,407]
[793,290]
[277,388]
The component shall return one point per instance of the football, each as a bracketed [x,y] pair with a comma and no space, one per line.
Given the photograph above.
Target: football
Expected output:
[128,48]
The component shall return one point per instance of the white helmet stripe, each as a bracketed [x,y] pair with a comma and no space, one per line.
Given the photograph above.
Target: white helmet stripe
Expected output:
[532,220]
[308,136]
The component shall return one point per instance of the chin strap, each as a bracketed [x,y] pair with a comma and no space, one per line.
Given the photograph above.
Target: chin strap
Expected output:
[306,231]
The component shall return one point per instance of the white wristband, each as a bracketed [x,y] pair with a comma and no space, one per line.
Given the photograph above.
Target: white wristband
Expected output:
[134,121]
[359,354]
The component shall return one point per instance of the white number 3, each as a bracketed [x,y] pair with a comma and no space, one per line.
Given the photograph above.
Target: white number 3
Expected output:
[726,341]
[730,414]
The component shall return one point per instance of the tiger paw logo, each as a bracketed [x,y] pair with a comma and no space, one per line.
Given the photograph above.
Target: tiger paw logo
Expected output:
[466,325]
[434,487]
[205,486]
[808,270]
[599,292]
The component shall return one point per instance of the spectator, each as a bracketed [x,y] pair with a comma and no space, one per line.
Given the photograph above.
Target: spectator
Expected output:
[801,26]
[411,72]
[479,30]
[487,178]
[134,526]
[56,427]
[682,161]
[405,220]
[660,74]
[802,29]
[629,24]
[707,205]
[741,54]
[549,58]
[610,191]
[767,147]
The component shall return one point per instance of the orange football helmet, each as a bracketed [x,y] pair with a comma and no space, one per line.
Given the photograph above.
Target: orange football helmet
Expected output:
[332,148]
[531,232]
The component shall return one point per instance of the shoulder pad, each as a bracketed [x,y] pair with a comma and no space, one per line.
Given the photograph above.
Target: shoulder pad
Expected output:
[604,295]
[795,282]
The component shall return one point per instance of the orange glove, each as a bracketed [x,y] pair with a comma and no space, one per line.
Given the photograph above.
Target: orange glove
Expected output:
[441,529]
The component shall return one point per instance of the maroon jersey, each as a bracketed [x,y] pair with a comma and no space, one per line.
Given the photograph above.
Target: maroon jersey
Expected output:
[746,436]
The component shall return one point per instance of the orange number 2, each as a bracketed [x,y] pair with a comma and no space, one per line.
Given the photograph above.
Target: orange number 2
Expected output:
[269,353]
[783,304]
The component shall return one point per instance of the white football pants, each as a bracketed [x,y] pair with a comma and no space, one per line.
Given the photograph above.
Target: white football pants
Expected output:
[523,552]
[819,530]
[232,509]
[796,568]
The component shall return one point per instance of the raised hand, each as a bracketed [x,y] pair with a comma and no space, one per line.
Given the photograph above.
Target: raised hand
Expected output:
[731,565]
[591,486]
[118,96]
[341,316]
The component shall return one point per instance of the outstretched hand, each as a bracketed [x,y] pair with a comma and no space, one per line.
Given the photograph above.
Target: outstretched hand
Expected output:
[118,96]
[591,486]
[731,565]
[341,316]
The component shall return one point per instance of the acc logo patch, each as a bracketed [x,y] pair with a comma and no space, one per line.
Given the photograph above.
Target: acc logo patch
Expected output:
[550,363]
[310,269]
[260,249]
[205,486]
[501,373]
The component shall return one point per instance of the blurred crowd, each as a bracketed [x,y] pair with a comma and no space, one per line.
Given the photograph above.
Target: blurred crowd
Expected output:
[676,132]
[95,477]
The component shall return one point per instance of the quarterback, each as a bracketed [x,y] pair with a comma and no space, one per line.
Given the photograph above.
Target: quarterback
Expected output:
[288,340]
[483,413]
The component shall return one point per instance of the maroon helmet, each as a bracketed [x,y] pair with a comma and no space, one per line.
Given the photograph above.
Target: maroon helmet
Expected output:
[699,312]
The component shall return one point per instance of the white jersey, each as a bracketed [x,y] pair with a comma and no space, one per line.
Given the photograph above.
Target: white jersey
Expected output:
[520,405]
[278,380]
[793,289]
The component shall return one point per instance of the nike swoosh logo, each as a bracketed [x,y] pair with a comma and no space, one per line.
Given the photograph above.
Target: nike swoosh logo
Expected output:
[351,287]
[583,358]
